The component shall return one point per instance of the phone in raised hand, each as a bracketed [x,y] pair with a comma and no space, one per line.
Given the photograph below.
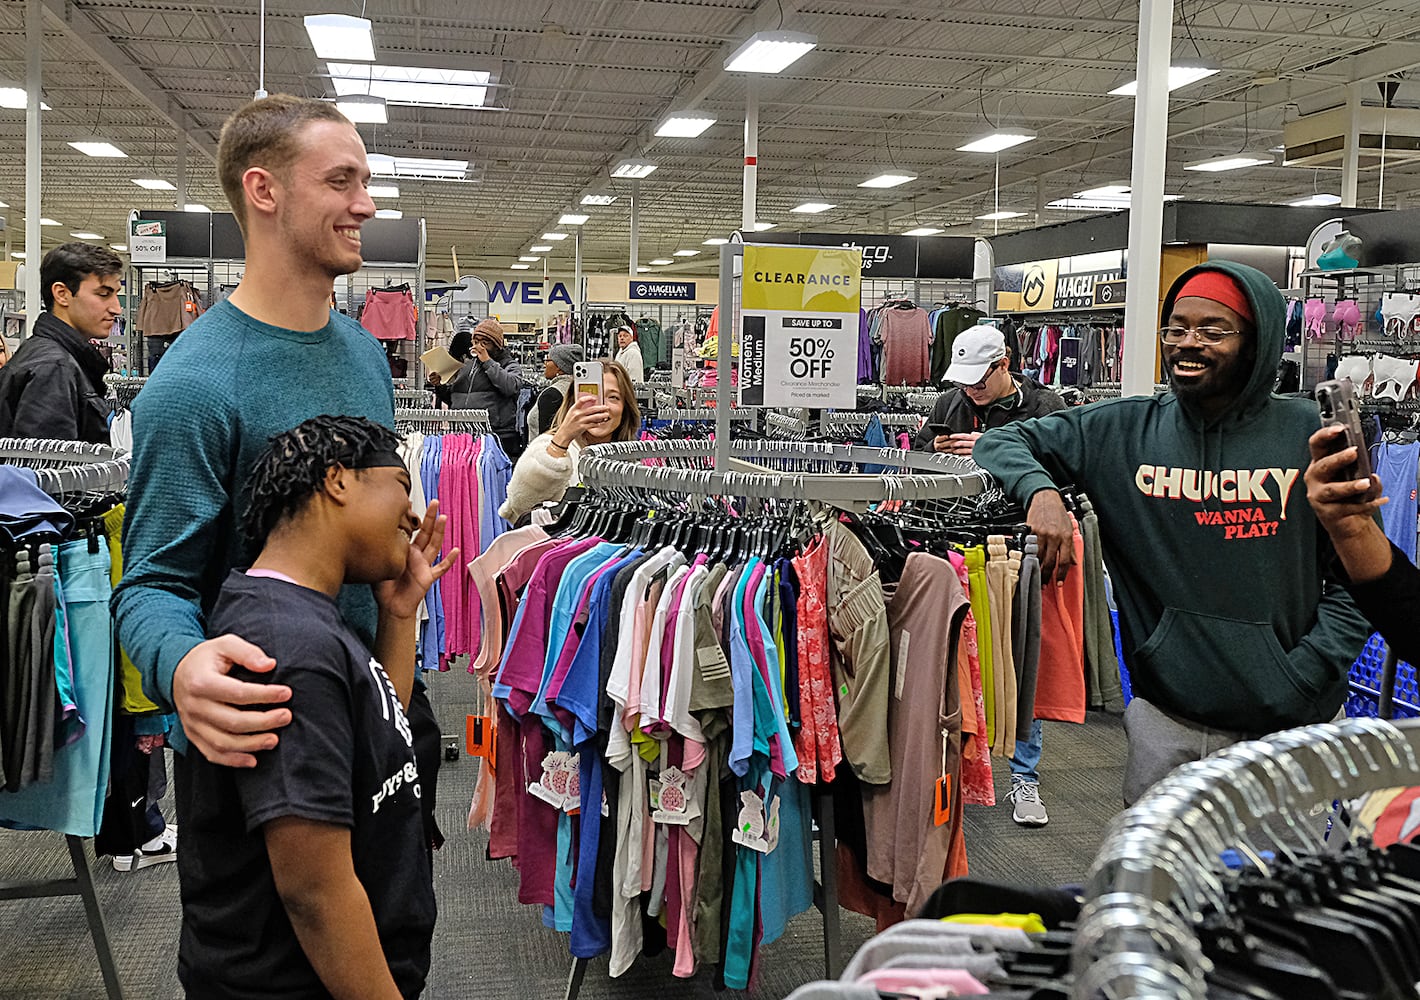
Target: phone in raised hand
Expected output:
[587,380]
[1336,399]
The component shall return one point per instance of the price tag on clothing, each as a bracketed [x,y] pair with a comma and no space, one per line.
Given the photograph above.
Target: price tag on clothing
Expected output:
[479,735]
[943,799]
[669,801]
[750,826]
[904,643]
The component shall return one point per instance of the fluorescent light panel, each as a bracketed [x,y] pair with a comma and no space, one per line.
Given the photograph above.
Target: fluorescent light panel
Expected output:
[770,52]
[715,241]
[1228,163]
[922,231]
[341,36]
[106,150]
[17,99]
[685,125]
[196,207]
[382,190]
[686,253]
[887,180]
[153,184]
[384,165]
[120,247]
[1316,201]
[540,249]
[388,213]
[1180,75]
[529,260]
[573,219]
[598,199]
[661,262]
[87,236]
[813,207]
[17,254]
[1000,216]
[554,236]
[43,221]
[996,142]
[642,270]
[633,169]
[362,109]
[415,85]
[521,267]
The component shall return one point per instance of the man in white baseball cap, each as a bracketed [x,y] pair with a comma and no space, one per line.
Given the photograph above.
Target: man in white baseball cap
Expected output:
[988,394]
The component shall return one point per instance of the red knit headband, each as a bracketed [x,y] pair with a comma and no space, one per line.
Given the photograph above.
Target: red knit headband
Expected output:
[1219,287]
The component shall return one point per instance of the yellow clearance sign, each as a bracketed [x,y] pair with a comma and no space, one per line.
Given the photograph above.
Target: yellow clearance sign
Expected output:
[799,326]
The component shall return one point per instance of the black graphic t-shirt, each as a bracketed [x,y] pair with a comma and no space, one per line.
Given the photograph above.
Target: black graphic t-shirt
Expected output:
[346,758]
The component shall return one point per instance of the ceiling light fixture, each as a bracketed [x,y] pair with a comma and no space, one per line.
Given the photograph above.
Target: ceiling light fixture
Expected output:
[529,260]
[1229,163]
[384,165]
[997,141]
[120,247]
[1316,201]
[770,52]
[382,190]
[362,109]
[684,125]
[573,219]
[554,236]
[599,198]
[813,207]
[17,99]
[341,36]
[887,180]
[416,85]
[153,184]
[642,270]
[922,231]
[43,221]
[633,169]
[760,227]
[661,262]
[101,149]
[715,241]
[1000,216]
[1181,74]
[686,253]
[86,236]
[1079,203]
[389,213]
[521,267]
[540,249]
[1107,191]
[196,207]
[17,254]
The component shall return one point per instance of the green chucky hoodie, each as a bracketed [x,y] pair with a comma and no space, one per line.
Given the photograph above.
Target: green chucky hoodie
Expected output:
[1216,557]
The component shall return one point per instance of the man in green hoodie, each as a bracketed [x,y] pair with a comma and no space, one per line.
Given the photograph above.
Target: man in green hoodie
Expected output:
[1230,627]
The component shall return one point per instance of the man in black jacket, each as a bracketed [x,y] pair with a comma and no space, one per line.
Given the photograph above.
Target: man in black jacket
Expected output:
[986,394]
[54,385]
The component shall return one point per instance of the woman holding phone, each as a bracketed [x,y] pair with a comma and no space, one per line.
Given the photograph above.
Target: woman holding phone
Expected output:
[600,407]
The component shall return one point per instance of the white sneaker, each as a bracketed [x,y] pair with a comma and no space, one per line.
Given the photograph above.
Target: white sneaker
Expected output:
[1029,810]
[160,850]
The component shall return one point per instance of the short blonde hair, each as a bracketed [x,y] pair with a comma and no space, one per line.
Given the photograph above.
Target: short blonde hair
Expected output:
[266,134]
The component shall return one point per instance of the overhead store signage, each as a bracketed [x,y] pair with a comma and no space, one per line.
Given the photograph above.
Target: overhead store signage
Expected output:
[673,291]
[1039,286]
[799,338]
[894,256]
[529,293]
[148,241]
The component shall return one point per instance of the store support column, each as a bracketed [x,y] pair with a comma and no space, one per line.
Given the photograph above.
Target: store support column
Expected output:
[34,253]
[749,214]
[1146,197]
[1351,154]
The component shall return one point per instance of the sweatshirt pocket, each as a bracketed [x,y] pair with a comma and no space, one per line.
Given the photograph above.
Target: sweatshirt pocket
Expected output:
[1225,673]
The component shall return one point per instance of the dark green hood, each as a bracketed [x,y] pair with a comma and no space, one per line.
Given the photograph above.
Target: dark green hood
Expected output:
[1269,312]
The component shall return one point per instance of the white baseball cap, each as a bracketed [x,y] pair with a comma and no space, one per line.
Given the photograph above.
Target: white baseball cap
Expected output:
[975,350]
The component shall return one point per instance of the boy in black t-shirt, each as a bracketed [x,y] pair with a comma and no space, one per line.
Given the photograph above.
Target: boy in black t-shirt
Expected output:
[309,875]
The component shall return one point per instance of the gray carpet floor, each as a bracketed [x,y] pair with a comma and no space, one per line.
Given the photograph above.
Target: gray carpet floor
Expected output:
[489,946]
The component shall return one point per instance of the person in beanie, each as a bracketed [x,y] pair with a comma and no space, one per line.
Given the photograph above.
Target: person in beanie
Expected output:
[558,371]
[490,379]
[1231,625]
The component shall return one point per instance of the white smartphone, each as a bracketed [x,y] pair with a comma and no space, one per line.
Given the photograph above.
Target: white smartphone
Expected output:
[587,379]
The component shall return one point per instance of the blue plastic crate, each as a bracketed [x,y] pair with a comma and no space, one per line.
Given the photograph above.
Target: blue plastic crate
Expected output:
[1365,683]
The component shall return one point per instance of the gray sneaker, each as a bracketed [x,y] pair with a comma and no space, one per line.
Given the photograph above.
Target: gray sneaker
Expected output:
[1029,810]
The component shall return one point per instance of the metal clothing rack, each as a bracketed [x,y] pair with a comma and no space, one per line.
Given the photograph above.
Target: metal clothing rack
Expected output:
[1157,867]
[67,469]
[416,399]
[686,468]
[469,421]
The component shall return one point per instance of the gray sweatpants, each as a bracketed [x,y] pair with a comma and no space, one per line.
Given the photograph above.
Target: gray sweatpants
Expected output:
[1160,742]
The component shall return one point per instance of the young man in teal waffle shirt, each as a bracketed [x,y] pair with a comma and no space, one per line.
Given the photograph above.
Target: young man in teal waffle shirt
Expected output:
[271,356]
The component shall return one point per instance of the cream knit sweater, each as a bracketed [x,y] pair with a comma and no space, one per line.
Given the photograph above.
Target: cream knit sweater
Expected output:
[539,477]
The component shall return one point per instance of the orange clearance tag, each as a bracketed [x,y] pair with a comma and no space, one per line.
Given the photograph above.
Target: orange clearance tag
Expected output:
[944,800]
[479,735]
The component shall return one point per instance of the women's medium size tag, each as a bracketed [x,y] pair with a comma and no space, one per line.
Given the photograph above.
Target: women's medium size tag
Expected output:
[943,800]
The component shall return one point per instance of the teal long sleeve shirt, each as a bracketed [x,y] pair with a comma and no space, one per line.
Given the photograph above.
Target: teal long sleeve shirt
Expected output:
[225,387]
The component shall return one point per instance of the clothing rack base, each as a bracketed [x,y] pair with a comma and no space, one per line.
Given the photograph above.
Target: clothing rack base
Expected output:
[82,885]
[825,899]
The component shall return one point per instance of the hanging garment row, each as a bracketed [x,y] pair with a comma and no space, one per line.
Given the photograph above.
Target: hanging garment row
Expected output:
[1073,354]
[902,344]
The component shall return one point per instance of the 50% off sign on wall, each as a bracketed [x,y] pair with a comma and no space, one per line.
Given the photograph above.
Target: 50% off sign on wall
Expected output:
[799,338]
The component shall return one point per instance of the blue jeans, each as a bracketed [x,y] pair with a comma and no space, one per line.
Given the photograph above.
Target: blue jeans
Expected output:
[1027,756]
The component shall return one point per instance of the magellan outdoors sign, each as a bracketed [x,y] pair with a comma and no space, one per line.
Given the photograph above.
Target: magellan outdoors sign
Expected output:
[1039,286]
[682,291]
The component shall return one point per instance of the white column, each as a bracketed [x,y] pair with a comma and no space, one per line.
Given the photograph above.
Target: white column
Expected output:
[1146,199]
[1351,155]
[1039,200]
[34,48]
[635,227]
[578,299]
[180,195]
[750,213]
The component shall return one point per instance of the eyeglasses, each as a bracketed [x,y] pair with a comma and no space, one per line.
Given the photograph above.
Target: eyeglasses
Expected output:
[1209,335]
